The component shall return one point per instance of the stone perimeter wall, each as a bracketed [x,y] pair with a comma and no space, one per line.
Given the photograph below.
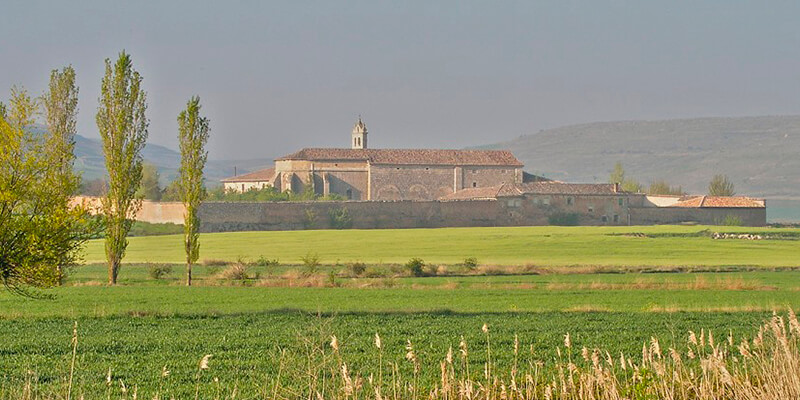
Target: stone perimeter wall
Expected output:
[528,211]
[222,217]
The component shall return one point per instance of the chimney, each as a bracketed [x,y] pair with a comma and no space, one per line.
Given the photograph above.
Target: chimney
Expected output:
[616,187]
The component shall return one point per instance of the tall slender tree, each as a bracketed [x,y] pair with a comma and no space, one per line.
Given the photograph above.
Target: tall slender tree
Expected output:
[61,115]
[123,127]
[192,136]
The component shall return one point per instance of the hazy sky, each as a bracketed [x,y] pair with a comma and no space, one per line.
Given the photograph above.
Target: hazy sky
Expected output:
[277,76]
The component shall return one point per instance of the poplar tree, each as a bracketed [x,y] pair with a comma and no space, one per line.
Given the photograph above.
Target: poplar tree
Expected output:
[123,128]
[192,136]
[61,116]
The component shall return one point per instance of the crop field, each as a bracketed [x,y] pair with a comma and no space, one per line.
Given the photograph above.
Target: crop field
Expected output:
[609,288]
[614,246]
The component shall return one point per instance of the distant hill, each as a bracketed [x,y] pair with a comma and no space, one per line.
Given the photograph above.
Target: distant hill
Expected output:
[89,160]
[761,155]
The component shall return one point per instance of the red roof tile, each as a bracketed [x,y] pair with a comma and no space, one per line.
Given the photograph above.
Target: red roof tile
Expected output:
[474,193]
[507,190]
[720,202]
[410,156]
[560,188]
[263,175]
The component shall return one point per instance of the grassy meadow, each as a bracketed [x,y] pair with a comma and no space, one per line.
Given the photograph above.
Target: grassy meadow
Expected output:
[269,328]
[543,245]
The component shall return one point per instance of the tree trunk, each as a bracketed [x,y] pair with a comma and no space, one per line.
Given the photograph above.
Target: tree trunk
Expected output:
[113,268]
[188,274]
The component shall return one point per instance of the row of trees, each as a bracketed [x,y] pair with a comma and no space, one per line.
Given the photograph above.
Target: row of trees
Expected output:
[41,232]
[720,185]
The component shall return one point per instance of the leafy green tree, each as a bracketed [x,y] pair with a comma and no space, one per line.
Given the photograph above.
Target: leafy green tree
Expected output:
[172,192]
[720,185]
[618,174]
[123,127]
[627,185]
[661,187]
[192,136]
[40,232]
[150,188]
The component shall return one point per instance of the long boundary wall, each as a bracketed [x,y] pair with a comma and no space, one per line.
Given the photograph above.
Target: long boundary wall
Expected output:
[242,216]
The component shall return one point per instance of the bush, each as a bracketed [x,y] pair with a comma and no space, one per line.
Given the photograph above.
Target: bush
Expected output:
[340,218]
[470,263]
[236,272]
[265,262]
[415,267]
[563,219]
[158,271]
[374,273]
[356,268]
[310,264]
[309,219]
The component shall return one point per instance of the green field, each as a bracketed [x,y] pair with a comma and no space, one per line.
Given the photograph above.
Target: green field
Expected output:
[144,324]
[616,246]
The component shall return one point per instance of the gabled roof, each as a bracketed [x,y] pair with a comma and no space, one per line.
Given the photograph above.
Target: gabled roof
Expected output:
[263,175]
[510,190]
[553,187]
[409,156]
[720,202]
[481,193]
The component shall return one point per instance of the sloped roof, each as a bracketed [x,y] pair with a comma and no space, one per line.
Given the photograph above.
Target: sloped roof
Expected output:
[553,187]
[263,175]
[409,156]
[509,189]
[720,202]
[474,193]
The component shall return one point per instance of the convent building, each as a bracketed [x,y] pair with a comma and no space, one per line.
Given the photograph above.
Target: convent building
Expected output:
[362,173]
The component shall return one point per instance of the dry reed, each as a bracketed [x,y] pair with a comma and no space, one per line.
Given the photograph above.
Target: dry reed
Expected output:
[704,367]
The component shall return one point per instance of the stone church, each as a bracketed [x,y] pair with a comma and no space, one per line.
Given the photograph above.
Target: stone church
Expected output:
[362,173]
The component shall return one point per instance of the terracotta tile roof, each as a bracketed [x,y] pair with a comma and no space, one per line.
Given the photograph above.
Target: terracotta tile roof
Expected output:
[720,202]
[561,188]
[474,193]
[263,175]
[410,156]
[507,190]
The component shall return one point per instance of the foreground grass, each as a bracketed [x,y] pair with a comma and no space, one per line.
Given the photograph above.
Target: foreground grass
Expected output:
[249,350]
[669,245]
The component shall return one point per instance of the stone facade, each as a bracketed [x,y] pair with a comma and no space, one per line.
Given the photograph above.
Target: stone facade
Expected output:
[360,173]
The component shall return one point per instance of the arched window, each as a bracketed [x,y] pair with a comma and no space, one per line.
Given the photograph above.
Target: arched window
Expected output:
[349,194]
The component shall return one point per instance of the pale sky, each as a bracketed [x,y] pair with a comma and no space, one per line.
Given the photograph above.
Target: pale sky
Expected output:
[277,76]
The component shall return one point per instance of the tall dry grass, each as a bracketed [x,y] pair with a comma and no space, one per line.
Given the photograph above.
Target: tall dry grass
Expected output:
[704,367]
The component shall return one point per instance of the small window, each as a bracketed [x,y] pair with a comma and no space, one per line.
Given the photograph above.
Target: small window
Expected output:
[616,218]
[474,184]
[398,168]
[570,200]
[426,168]
[621,202]
[591,209]
[604,218]
[546,201]
[349,194]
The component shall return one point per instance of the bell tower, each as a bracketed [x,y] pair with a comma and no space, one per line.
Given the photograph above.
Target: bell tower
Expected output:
[359,137]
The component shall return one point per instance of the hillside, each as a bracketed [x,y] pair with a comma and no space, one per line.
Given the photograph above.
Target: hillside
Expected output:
[89,160]
[760,154]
